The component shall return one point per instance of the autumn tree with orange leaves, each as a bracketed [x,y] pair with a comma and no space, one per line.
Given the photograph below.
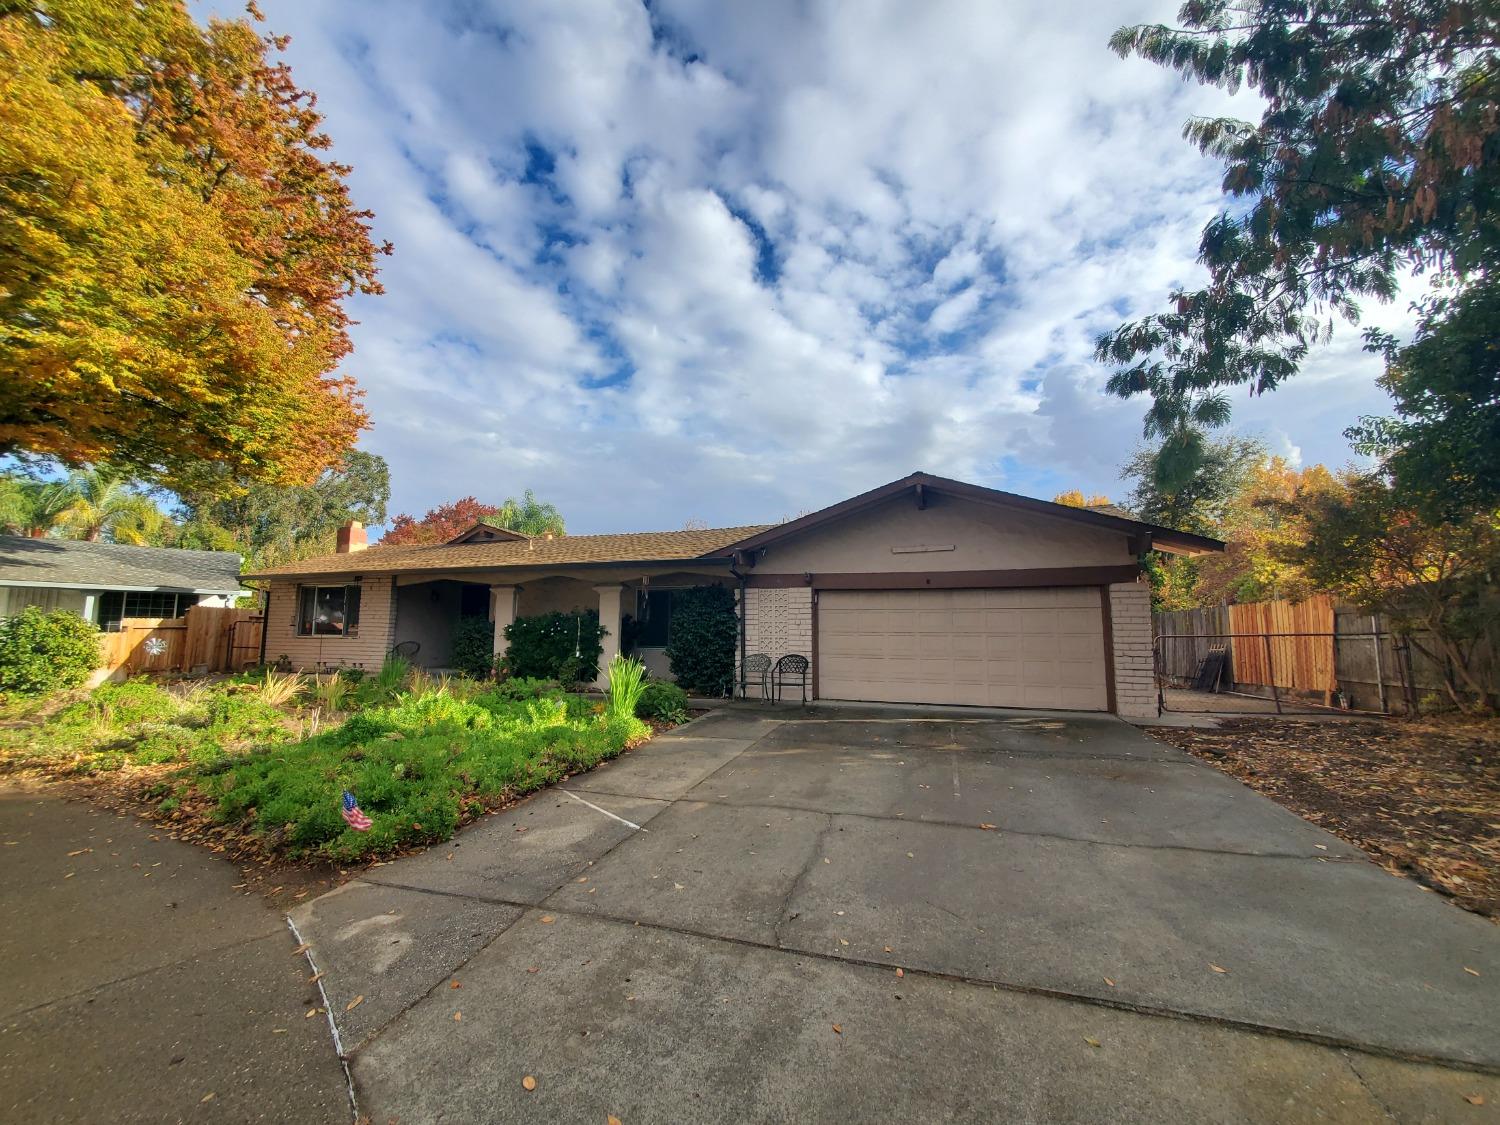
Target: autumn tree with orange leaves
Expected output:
[175,248]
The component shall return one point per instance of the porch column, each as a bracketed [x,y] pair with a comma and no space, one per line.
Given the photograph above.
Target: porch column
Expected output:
[609,617]
[502,612]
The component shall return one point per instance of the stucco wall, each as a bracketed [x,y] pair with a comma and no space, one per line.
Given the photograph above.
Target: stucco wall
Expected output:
[426,613]
[981,537]
[557,595]
[1130,626]
[367,650]
[777,622]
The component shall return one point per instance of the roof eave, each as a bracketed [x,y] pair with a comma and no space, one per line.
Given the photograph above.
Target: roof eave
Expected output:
[693,560]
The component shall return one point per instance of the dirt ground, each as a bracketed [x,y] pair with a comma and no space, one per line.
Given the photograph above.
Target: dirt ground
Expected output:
[1422,797]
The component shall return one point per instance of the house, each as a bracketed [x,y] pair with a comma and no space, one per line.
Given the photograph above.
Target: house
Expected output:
[104,582]
[925,590]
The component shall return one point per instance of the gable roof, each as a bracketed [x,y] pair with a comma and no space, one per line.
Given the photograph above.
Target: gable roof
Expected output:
[114,566]
[482,532]
[1162,538]
[568,550]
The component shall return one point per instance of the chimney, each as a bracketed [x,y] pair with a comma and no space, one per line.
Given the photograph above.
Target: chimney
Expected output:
[352,538]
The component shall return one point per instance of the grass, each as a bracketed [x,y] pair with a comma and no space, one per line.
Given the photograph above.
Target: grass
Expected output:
[267,757]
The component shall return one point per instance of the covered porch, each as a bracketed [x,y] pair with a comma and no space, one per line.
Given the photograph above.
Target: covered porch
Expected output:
[634,605]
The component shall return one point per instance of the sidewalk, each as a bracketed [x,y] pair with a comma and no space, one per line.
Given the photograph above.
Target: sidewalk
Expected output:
[136,984]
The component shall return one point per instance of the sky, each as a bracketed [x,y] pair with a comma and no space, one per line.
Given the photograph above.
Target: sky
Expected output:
[689,260]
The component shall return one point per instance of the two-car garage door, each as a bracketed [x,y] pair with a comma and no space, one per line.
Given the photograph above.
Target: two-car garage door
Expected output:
[992,648]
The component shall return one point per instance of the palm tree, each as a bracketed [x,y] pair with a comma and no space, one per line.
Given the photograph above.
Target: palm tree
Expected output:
[33,507]
[101,499]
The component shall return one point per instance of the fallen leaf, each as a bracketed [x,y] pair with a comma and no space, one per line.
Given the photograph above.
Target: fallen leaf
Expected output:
[843,941]
[528,1083]
[80,851]
[1471,972]
[1474,1099]
[900,972]
[310,1013]
[909,855]
[458,1017]
[613,1120]
[303,948]
[888,949]
[1109,982]
[70,874]
[581,879]
[1217,968]
[547,919]
[356,1002]
[987,827]
[534,969]
[1091,1041]
[208,1097]
[278,1031]
[837,1029]
[315,978]
[454,984]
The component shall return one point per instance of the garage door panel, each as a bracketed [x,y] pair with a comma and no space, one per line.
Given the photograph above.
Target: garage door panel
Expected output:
[1040,648]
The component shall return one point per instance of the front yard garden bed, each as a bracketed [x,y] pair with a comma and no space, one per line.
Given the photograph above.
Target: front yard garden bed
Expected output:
[1421,797]
[256,766]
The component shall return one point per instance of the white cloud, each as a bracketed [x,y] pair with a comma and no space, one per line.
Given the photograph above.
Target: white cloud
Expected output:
[750,259]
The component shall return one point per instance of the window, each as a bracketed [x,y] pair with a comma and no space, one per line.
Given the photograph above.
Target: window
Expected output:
[328,611]
[117,604]
[654,617]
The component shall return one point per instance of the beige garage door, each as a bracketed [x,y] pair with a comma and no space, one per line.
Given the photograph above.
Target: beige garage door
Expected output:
[990,648]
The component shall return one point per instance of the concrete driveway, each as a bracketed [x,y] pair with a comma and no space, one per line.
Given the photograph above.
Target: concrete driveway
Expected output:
[870,914]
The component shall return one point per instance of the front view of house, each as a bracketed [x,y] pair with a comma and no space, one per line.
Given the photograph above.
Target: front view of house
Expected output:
[925,590]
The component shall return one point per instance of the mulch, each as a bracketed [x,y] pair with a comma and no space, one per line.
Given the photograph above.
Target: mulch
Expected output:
[1421,797]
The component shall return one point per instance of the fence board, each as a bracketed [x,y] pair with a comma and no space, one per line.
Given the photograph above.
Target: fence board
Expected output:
[206,639]
[1186,636]
[1300,663]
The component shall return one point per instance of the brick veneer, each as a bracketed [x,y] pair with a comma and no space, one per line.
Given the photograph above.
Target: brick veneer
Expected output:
[777,621]
[1130,626]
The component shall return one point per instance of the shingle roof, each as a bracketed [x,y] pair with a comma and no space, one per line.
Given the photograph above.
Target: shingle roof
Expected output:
[113,566]
[629,547]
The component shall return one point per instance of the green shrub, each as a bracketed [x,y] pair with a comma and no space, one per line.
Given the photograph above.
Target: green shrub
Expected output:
[387,683]
[523,687]
[705,629]
[43,652]
[122,705]
[542,646]
[664,701]
[474,647]
[627,678]
[236,719]
[419,769]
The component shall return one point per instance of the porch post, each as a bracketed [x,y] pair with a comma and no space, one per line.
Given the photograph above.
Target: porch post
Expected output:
[502,612]
[609,617]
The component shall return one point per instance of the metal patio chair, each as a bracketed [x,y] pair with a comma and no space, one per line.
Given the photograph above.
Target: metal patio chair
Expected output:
[790,665]
[757,664]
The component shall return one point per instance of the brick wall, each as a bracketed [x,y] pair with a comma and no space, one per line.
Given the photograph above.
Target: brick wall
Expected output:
[377,624]
[777,621]
[1130,624]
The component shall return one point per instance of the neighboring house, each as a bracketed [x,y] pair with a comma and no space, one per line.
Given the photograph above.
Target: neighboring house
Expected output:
[925,590]
[103,582]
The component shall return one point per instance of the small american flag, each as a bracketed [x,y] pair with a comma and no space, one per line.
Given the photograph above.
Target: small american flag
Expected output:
[352,814]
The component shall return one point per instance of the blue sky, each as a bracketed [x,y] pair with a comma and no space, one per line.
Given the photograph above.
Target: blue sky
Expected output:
[729,262]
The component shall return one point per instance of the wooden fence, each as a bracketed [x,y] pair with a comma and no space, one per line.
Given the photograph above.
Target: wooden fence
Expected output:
[1185,637]
[1299,663]
[205,639]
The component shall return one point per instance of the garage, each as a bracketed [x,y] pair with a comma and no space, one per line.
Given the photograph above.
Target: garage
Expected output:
[992,647]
